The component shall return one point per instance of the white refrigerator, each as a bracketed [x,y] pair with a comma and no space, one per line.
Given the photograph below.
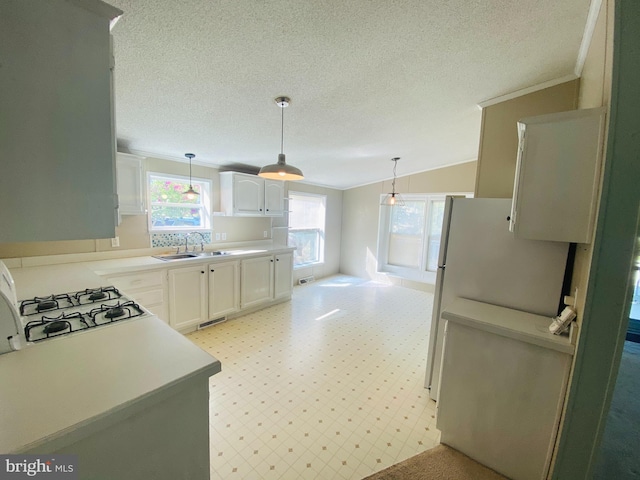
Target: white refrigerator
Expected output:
[481,260]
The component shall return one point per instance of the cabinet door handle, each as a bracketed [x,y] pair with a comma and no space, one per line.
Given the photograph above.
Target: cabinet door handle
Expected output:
[267,209]
[201,271]
[260,209]
[277,259]
[272,260]
[212,271]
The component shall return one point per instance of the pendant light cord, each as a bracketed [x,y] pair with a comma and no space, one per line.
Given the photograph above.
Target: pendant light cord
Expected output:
[190,173]
[282,130]
[393,183]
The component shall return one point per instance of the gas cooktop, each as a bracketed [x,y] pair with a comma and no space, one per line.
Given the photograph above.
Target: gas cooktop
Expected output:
[63,314]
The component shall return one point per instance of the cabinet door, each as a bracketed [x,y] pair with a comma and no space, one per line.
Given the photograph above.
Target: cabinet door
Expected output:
[273,198]
[256,281]
[248,195]
[224,289]
[557,176]
[130,189]
[187,296]
[283,275]
[57,149]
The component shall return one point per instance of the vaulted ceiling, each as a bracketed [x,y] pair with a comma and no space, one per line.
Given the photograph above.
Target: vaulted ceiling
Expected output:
[369,79]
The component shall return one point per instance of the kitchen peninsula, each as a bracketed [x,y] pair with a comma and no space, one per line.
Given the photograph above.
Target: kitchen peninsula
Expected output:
[130,399]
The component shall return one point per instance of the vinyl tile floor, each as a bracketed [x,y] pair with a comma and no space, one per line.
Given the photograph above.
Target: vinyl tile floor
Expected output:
[327,386]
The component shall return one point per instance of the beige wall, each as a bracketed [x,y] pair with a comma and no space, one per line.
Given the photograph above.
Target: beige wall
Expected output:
[332,233]
[595,91]
[361,208]
[499,135]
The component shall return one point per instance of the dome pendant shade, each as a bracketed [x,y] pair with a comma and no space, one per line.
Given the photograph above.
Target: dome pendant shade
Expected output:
[280,170]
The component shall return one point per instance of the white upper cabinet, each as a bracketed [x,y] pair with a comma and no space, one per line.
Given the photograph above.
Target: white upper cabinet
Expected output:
[557,176]
[247,195]
[273,198]
[56,141]
[130,184]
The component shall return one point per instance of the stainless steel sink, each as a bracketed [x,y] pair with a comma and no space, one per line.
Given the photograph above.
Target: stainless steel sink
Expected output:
[175,256]
[211,254]
[183,256]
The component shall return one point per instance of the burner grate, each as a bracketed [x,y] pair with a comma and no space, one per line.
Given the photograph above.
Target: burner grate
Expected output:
[94,295]
[48,327]
[105,314]
[43,304]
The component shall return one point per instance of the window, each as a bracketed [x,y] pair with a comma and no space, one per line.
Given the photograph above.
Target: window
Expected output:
[306,227]
[171,210]
[409,237]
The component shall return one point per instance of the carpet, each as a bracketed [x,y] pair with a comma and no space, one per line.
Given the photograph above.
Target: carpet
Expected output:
[438,463]
[618,457]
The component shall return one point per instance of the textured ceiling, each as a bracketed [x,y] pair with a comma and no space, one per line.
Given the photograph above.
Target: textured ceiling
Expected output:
[369,79]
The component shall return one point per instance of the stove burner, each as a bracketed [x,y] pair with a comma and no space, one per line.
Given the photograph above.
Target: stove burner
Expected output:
[47,327]
[40,304]
[97,296]
[114,312]
[55,327]
[92,295]
[46,305]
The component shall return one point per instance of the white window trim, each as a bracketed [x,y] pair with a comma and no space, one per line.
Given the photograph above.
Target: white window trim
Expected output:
[420,274]
[321,254]
[206,204]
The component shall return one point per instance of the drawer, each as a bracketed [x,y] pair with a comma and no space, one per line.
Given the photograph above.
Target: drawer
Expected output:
[127,283]
[149,297]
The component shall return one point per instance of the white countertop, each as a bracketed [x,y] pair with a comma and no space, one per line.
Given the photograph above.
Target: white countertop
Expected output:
[515,324]
[63,384]
[131,264]
[48,279]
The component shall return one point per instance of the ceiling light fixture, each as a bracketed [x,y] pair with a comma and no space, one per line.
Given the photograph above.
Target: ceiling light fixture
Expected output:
[191,193]
[393,199]
[280,170]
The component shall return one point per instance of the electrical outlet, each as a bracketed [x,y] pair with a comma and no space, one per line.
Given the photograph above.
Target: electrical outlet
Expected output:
[218,236]
[265,234]
[224,236]
[115,242]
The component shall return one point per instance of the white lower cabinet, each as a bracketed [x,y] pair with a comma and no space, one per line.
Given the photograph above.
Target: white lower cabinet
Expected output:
[266,278]
[188,296]
[185,296]
[224,289]
[149,289]
[256,281]
[283,275]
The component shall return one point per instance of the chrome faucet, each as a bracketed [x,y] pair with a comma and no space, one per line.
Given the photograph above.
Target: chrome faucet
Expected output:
[186,241]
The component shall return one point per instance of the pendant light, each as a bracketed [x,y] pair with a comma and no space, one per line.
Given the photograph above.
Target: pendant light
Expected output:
[191,193]
[393,199]
[280,170]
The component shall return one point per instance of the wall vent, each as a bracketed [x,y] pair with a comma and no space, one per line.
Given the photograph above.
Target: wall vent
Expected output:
[208,323]
[305,280]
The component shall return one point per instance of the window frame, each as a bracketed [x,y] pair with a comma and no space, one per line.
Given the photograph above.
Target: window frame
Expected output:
[205,203]
[321,231]
[420,273]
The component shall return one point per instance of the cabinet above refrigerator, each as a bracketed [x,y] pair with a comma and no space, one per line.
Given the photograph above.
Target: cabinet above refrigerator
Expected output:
[558,176]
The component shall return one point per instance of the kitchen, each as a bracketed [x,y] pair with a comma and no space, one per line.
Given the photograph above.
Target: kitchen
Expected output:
[352,230]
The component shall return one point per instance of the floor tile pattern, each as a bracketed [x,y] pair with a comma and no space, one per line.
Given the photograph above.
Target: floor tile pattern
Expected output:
[329,385]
